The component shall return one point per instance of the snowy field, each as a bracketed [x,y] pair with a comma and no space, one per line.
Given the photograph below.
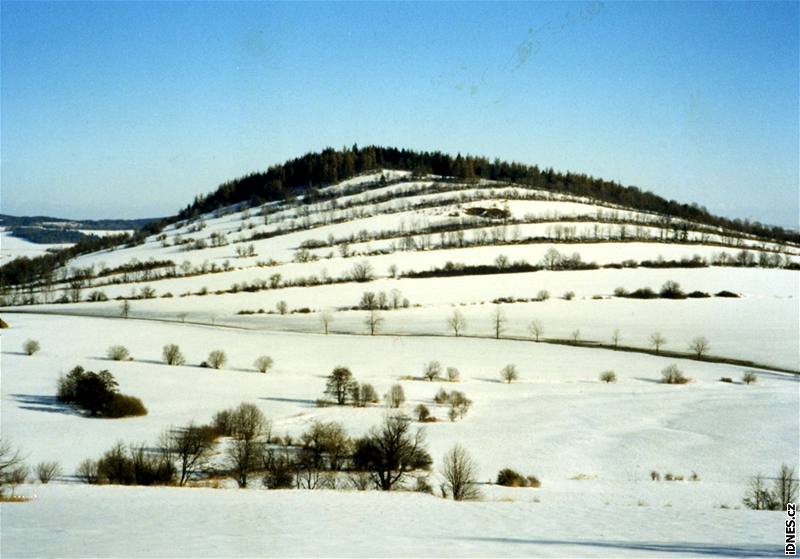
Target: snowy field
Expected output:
[12,247]
[592,445]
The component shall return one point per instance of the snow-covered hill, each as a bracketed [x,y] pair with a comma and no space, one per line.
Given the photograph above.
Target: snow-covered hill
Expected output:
[267,279]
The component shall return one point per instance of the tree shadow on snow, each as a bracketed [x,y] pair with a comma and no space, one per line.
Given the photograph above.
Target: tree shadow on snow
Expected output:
[15,353]
[48,404]
[486,379]
[710,549]
[304,403]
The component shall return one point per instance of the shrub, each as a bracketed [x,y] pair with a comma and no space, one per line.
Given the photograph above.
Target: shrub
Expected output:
[222,423]
[620,292]
[608,376]
[46,471]
[422,412]
[543,295]
[452,374]
[694,477]
[118,353]
[432,370]
[263,363]
[569,295]
[88,471]
[698,295]
[655,476]
[672,290]
[363,394]
[510,478]
[122,405]
[395,397]
[172,355]
[441,396]
[509,373]
[643,293]
[749,377]
[726,379]
[725,293]
[673,375]
[459,405]
[217,358]
[30,347]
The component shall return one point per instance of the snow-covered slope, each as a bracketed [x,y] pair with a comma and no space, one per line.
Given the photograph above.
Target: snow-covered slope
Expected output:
[593,445]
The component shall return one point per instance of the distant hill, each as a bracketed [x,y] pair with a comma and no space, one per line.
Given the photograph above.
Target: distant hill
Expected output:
[55,230]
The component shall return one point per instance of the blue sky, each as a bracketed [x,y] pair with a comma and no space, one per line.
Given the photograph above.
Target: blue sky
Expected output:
[131,109]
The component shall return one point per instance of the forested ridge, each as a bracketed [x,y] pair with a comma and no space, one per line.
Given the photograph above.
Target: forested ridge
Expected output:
[304,175]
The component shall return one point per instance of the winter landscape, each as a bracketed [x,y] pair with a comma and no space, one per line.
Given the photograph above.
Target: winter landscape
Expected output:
[383,352]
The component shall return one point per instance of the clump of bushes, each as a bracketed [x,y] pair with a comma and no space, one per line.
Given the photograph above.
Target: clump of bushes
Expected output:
[172,355]
[608,376]
[217,358]
[510,478]
[96,393]
[118,353]
[759,497]
[46,471]
[459,405]
[725,293]
[30,347]
[673,375]
[134,465]
[263,363]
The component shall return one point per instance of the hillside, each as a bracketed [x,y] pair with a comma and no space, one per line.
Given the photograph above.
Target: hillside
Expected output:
[383,273]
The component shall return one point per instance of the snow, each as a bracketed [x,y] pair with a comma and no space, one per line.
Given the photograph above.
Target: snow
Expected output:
[558,422]
[12,247]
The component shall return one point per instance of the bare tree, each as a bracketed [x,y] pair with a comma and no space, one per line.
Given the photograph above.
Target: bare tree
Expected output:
[391,451]
[250,430]
[362,271]
[282,307]
[657,340]
[616,338]
[460,473]
[326,319]
[373,321]
[456,322]
[340,384]
[785,491]
[125,309]
[12,466]
[46,471]
[498,321]
[509,373]
[699,346]
[432,370]
[536,329]
[396,396]
[192,446]
[576,335]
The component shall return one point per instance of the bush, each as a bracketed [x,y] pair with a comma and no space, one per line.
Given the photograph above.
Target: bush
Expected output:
[569,295]
[643,293]
[30,347]
[459,405]
[172,355]
[655,476]
[608,376]
[672,290]
[543,295]
[441,396]
[510,478]
[217,358]
[222,423]
[88,471]
[749,377]
[122,405]
[422,412]
[263,363]
[118,353]
[725,293]
[620,292]
[452,374]
[698,295]
[46,471]
[673,375]
[726,379]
